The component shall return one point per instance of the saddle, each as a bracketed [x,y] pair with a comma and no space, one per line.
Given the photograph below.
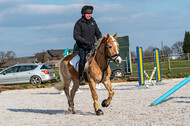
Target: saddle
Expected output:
[75,61]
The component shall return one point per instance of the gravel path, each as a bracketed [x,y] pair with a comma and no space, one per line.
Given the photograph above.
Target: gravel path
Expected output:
[130,106]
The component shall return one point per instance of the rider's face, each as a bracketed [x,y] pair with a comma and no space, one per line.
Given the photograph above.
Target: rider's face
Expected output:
[88,16]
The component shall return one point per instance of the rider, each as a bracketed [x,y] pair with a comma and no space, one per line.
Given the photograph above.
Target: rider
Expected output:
[85,32]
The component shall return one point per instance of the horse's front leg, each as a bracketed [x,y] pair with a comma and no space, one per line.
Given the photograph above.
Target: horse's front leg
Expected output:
[107,84]
[95,98]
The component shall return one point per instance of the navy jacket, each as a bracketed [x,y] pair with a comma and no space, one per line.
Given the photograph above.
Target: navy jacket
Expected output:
[86,30]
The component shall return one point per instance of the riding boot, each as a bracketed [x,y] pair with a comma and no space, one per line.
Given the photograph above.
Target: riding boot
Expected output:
[81,69]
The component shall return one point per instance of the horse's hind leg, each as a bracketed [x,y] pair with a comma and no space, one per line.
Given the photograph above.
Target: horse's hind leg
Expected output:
[72,95]
[67,90]
[106,102]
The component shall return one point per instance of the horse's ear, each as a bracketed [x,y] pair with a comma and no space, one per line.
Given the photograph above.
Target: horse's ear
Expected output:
[107,36]
[115,36]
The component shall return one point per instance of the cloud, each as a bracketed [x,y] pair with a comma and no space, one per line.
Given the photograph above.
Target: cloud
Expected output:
[1,17]
[11,1]
[44,25]
[34,15]
[138,15]
[41,9]
[45,41]
[45,9]
[53,26]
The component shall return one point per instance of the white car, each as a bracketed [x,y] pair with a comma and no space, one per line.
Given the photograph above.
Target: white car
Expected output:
[33,73]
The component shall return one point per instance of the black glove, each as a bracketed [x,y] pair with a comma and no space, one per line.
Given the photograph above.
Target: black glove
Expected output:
[88,43]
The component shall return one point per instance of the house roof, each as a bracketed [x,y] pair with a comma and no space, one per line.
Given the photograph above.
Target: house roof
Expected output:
[56,53]
[20,60]
[40,56]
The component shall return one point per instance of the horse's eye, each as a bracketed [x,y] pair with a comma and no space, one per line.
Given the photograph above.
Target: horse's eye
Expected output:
[109,47]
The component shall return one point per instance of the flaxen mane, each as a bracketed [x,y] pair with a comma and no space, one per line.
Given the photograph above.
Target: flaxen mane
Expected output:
[97,45]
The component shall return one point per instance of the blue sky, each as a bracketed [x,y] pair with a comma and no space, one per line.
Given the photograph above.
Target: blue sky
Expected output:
[31,26]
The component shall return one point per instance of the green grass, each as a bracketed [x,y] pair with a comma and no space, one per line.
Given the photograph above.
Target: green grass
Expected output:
[56,71]
[179,68]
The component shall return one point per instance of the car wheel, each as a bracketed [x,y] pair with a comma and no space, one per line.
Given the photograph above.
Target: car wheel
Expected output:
[35,80]
[118,73]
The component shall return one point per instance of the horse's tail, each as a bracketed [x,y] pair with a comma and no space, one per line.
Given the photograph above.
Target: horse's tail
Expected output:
[60,86]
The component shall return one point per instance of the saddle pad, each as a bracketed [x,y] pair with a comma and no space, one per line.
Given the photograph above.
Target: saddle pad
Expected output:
[75,62]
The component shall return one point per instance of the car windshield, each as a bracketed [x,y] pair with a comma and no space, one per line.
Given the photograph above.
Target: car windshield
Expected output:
[45,66]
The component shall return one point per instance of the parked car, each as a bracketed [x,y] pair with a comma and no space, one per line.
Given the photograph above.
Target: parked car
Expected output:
[33,73]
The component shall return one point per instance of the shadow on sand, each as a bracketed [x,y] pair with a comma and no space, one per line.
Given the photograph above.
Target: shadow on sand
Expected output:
[49,112]
[182,101]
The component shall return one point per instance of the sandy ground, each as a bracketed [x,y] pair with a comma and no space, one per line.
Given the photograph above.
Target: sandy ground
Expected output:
[129,107]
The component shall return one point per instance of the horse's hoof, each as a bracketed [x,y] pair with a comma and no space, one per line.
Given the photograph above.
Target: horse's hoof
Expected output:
[69,110]
[74,111]
[99,112]
[104,103]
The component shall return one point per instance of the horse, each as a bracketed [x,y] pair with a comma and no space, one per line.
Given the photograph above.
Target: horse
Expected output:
[97,71]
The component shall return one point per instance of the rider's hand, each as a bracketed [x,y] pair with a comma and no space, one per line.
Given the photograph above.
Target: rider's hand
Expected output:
[88,43]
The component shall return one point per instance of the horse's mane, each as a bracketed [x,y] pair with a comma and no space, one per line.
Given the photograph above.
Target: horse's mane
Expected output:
[97,45]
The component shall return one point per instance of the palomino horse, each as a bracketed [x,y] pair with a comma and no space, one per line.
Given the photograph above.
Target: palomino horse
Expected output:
[97,70]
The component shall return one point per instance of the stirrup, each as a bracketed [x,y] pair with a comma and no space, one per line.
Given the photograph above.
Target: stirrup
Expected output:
[81,81]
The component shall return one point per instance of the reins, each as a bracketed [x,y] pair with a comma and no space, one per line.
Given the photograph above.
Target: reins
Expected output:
[110,57]
[101,69]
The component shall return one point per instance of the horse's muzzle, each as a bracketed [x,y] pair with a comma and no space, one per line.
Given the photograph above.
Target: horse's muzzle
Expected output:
[117,60]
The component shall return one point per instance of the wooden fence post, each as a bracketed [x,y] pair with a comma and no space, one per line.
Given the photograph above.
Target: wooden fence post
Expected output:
[169,67]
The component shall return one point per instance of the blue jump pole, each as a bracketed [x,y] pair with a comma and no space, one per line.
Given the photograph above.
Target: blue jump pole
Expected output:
[171,91]
[140,66]
[157,64]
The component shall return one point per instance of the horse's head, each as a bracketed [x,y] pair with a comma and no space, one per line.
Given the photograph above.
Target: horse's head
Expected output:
[112,48]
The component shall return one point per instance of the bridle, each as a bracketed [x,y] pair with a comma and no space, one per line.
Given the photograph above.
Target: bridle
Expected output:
[110,57]
[106,48]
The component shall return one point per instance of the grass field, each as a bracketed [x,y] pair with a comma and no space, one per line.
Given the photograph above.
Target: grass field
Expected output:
[179,68]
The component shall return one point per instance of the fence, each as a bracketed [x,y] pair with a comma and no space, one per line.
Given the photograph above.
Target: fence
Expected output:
[171,65]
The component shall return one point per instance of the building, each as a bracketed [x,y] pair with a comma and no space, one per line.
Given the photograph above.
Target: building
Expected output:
[53,54]
[14,61]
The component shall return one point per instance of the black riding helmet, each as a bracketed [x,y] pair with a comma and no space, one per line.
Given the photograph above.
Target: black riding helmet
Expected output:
[87,9]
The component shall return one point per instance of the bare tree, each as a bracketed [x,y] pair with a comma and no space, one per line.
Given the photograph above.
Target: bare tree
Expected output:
[10,55]
[2,55]
[177,47]
[167,50]
[6,56]
[148,51]
[133,54]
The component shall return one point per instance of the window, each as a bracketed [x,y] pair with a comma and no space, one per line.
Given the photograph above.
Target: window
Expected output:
[45,67]
[27,68]
[34,66]
[12,69]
